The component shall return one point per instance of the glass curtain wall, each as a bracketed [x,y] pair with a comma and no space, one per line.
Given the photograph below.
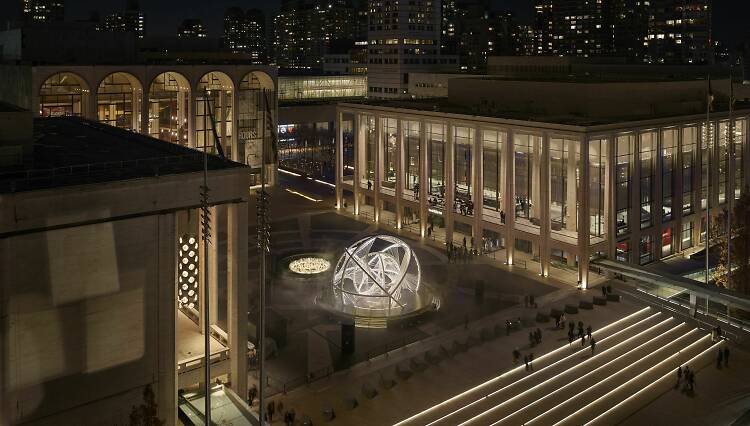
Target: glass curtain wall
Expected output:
[740,130]
[348,130]
[411,149]
[493,175]
[388,175]
[463,139]
[623,174]
[63,94]
[118,101]
[597,189]
[213,113]
[436,165]
[526,150]
[370,152]
[723,157]
[668,150]
[689,140]
[647,154]
[168,99]
[564,163]
[707,139]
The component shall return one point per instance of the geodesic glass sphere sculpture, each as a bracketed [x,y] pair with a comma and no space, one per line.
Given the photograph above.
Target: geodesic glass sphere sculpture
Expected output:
[377,273]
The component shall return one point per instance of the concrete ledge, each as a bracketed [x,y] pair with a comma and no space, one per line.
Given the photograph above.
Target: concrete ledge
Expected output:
[540,317]
[368,391]
[555,313]
[417,365]
[601,301]
[584,304]
[350,403]
[403,373]
[387,382]
[571,309]
[613,297]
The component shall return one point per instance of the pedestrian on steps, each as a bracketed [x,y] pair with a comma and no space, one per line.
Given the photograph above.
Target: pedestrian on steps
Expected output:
[679,376]
[719,358]
[583,341]
[593,347]
[531,361]
[570,337]
[588,332]
[526,361]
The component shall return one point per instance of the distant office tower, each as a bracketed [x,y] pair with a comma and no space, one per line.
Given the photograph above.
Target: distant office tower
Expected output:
[653,31]
[246,32]
[131,20]
[36,11]
[403,37]
[679,31]
[304,30]
[191,28]
[471,30]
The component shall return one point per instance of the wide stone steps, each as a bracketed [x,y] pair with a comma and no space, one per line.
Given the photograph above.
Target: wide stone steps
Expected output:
[477,400]
[594,368]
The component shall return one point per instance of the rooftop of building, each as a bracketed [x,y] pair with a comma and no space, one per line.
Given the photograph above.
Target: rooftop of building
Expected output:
[71,151]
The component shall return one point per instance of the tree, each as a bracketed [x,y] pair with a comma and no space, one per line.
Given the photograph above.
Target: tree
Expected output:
[146,414]
[738,279]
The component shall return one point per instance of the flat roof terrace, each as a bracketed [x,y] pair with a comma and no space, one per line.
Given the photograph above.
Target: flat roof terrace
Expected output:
[72,151]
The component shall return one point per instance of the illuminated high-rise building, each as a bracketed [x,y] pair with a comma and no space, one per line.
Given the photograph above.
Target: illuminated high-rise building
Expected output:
[130,20]
[37,11]
[191,28]
[403,37]
[679,31]
[246,32]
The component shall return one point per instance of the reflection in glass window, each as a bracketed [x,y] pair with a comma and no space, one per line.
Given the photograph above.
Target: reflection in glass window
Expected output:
[624,160]
[493,174]
[689,139]
[463,139]
[436,165]
[646,157]
[527,153]
[411,151]
[388,177]
[564,171]
[669,148]
[597,178]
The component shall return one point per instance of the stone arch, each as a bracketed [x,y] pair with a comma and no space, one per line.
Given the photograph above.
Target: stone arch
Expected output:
[214,112]
[64,94]
[168,107]
[119,97]
[256,98]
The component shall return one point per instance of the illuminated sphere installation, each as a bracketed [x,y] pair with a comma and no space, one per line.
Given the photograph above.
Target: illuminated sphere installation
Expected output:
[377,273]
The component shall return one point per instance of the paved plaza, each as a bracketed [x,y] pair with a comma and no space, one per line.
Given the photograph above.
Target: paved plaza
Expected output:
[455,366]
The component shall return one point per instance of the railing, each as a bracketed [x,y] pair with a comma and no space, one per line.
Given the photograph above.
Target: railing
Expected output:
[198,361]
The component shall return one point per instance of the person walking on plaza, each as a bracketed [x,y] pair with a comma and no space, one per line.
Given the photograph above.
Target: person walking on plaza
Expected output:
[507,327]
[251,394]
[588,332]
[531,361]
[691,380]
[557,323]
[583,341]
[593,347]
[726,356]
[679,376]
[686,373]
[526,361]
[516,355]
[538,335]
[571,337]
[271,408]
[604,291]
[562,320]
[532,340]
[719,358]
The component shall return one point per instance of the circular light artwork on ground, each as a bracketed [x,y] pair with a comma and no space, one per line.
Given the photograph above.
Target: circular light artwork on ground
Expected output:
[379,275]
[309,265]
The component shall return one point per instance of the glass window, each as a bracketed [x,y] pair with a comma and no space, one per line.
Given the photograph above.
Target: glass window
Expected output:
[463,139]
[597,196]
[411,151]
[213,117]
[667,244]
[168,100]
[564,171]
[723,166]
[689,138]
[527,154]
[687,235]
[436,165]
[118,99]
[646,157]
[493,175]
[622,251]
[388,184]
[645,250]
[740,130]
[370,152]
[669,148]
[623,176]
[707,139]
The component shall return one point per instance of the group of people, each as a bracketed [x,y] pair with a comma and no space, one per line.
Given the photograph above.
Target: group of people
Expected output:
[272,407]
[583,335]
[529,302]
[464,207]
[722,357]
[535,337]
[689,375]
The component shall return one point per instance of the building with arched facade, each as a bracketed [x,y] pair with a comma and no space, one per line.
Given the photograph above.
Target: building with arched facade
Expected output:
[190,105]
[547,174]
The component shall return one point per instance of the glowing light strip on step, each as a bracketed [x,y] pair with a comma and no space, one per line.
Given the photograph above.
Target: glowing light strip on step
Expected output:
[299,194]
[539,417]
[514,397]
[491,381]
[289,173]
[633,379]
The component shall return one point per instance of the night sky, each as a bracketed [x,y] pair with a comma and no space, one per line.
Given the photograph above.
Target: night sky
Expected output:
[163,16]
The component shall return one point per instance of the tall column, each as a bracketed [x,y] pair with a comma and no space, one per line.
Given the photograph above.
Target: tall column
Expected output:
[378,165]
[339,151]
[359,147]
[192,142]
[477,176]
[535,184]
[401,167]
[544,203]
[510,198]
[677,194]
[424,185]
[218,215]
[715,163]
[584,217]
[634,215]
[610,193]
[145,100]
[237,303]
[571,190]
[746,152]
[166,391]
[219,112]
[235,152]
[450,186]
